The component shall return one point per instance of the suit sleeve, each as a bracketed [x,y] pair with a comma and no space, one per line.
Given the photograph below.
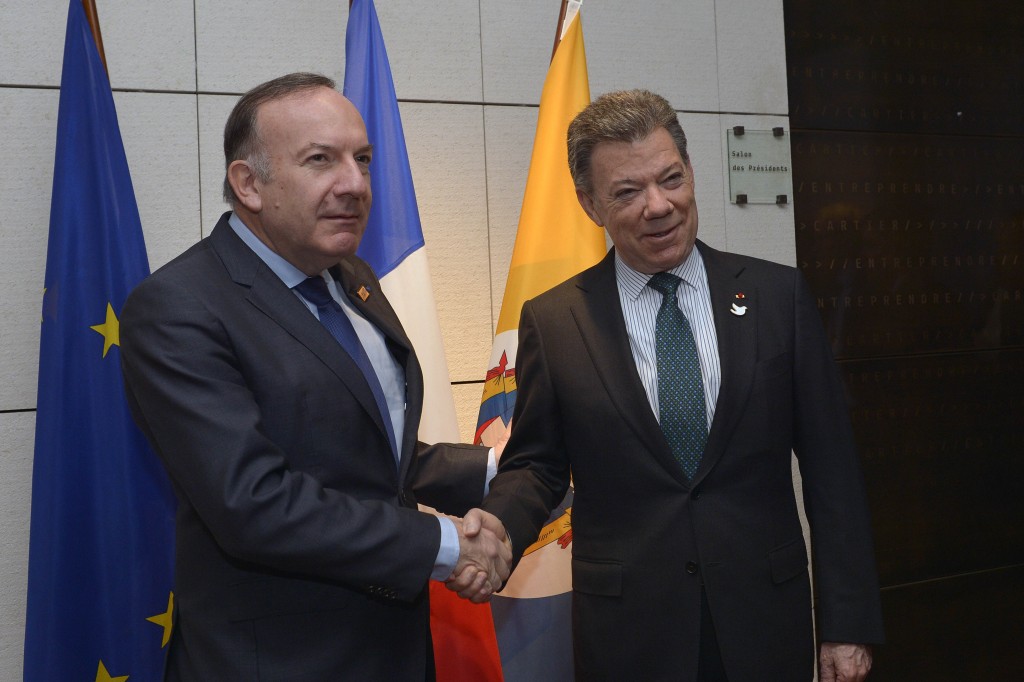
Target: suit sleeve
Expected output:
[189,394]
[849,608]
[450,477]
[533,475]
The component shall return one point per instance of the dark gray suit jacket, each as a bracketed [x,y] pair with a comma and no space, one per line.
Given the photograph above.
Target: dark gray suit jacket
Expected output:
[644,536]
[300,553]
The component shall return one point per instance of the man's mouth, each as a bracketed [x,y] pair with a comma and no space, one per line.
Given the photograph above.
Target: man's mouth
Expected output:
[663,233]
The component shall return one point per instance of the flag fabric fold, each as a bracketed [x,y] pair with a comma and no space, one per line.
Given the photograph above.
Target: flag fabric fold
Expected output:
[393,244]
[555,240]
[465,649]
[101,545]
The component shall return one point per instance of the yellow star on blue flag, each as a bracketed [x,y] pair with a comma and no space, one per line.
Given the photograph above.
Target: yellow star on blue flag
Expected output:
[165,620]
[110,330]
[103,676]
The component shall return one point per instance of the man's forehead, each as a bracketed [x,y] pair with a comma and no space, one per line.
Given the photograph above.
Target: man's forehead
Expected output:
[302,113]
[622,162]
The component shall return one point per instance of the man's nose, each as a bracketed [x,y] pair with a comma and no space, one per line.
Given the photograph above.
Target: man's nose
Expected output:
[656,203]
[352,178]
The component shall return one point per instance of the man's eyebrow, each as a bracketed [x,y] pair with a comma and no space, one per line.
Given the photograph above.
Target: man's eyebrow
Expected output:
[323,146]
[629,180]
[309,146]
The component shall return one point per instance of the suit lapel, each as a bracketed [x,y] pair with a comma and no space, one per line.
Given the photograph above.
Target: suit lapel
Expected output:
[599,318]
[268,294]
[367,297]
[737,349]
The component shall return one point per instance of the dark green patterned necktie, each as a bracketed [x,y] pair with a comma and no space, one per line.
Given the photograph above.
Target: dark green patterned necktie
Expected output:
[680,387]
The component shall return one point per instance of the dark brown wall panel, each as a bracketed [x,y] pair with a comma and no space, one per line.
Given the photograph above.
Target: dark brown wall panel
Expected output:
[963,629]
[908,171]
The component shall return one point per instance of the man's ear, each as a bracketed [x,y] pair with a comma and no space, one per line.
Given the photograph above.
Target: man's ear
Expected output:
[588,206]
[245,186]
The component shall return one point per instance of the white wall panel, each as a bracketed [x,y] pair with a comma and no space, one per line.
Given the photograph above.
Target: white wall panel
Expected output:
[242,44]
[509,133]
[516,38]
[467,407]
[666,47]
[16,437]
[159,136]
[446,153]
[28,127]
[213,114]
[704,141]
[149,45]
[751,56]
[32,41]
[433,48]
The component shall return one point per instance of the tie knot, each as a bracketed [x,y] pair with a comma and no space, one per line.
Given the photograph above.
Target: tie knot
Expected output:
[665,283]
[314,289]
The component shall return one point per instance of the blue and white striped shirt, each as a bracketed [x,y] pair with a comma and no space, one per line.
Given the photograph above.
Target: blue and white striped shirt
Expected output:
[640,305]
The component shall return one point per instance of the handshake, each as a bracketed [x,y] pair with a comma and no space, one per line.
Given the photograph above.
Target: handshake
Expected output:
[485,557]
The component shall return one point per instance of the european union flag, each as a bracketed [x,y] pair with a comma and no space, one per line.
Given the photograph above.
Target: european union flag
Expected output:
[101,548]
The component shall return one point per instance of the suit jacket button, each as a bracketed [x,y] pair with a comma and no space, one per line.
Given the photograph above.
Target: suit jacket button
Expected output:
[691,567]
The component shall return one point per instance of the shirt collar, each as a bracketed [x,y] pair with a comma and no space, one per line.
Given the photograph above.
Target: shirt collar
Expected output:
[633,283]
[288,273]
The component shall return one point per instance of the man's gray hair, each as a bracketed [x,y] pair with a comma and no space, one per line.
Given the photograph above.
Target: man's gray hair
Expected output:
[241,133]
[622,116]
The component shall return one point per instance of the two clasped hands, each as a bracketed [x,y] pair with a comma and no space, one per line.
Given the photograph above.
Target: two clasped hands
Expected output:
[485,556]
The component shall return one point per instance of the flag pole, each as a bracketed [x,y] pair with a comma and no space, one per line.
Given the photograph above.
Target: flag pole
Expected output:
[558,27]
[94,23]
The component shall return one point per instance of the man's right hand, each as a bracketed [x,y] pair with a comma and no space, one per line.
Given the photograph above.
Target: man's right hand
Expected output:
[485,556]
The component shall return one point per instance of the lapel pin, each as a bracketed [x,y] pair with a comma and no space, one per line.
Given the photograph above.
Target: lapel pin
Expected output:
[738,309]
[363,293]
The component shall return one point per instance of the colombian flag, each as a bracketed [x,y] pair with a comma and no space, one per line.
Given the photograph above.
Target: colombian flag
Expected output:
[555,240]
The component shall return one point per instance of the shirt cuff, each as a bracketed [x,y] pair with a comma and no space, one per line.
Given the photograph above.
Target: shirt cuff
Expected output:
[448,552]
[492,470]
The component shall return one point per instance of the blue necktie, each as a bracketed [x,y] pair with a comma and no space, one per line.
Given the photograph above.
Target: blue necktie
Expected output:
[680,387]
[314,290]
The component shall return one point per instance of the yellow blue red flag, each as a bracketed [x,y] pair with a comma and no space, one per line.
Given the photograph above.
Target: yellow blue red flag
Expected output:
[555,240]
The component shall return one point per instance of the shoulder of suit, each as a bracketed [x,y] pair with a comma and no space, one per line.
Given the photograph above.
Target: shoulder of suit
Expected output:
[204,266]
[736,262]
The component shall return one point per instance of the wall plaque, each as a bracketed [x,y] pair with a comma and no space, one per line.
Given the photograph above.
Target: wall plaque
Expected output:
[760,169]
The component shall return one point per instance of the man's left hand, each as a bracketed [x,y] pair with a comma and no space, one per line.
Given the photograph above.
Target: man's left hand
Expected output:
[844,662]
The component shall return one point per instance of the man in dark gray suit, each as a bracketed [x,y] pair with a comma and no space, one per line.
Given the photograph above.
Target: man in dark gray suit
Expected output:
[275,382]
[672,383]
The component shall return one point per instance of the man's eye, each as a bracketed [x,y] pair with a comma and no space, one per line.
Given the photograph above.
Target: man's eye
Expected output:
[673,180]
[318,158]
[364,159]
[625,193]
